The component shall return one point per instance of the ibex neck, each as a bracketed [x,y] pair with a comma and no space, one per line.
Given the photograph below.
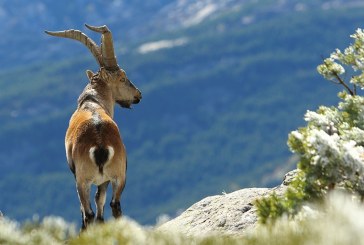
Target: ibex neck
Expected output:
[98,94]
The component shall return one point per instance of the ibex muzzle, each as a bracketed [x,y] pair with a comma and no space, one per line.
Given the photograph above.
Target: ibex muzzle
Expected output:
[94,149]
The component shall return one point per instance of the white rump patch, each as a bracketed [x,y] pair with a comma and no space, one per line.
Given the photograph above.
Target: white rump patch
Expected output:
[109,148]
[91,153]
[111,152]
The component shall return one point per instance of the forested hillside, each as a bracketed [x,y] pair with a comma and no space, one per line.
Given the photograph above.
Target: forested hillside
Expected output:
[220,94]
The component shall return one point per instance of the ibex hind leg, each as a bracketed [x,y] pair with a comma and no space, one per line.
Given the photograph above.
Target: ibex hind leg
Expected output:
[117,189]
[84,195]
[100,199]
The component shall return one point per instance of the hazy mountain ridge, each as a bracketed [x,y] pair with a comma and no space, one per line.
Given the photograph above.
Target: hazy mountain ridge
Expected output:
[215,112]
[23,21]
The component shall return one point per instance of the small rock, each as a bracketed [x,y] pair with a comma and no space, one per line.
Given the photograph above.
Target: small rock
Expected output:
[246,208]
[222,222]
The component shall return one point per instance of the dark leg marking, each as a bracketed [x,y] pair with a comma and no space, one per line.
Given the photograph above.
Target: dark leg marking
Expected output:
[117,189]
[89,217]
[83,221]
[116,209]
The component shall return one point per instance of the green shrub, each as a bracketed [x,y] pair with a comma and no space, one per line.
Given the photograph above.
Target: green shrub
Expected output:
[330,147]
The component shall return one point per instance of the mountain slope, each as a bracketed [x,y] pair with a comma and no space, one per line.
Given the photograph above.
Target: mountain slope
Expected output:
[215,113]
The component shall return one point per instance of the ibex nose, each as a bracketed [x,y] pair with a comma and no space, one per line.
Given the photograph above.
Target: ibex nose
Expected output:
[137,97]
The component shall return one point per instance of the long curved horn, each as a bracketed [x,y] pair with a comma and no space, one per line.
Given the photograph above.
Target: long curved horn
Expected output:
[83,38]
[107,46]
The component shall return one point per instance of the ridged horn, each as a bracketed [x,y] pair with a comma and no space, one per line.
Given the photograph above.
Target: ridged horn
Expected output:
[83,38]
[107,46]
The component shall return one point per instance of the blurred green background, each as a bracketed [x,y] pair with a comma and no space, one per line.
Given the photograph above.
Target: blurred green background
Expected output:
[223,83]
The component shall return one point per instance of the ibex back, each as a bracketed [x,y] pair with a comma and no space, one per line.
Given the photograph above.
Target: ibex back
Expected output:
[94,149]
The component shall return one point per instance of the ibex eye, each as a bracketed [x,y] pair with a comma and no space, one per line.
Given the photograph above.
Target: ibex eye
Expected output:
[123,80]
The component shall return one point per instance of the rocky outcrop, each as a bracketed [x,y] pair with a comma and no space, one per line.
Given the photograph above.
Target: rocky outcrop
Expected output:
[231,214]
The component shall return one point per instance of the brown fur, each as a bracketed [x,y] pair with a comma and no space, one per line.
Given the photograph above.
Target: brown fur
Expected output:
[82,135]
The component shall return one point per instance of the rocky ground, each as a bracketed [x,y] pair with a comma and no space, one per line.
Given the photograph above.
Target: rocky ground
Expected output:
[231,214]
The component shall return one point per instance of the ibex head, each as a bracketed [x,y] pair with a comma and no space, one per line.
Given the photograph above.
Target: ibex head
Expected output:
[123,90]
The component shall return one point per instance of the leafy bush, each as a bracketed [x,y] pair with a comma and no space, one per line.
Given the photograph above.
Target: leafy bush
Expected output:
[330,147]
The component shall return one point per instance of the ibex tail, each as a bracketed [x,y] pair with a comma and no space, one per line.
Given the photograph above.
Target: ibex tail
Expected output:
[101,155]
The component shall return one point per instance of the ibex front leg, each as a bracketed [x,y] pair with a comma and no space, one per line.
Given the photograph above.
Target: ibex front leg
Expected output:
[88,215]
[117,189]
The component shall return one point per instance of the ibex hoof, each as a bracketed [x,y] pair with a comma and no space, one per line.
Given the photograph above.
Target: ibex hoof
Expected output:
[116,209]
[100,220]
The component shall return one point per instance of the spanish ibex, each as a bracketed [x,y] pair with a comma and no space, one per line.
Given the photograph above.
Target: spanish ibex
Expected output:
[94,149]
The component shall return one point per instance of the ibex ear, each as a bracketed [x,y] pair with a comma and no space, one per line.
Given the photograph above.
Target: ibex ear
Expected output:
[89,74]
